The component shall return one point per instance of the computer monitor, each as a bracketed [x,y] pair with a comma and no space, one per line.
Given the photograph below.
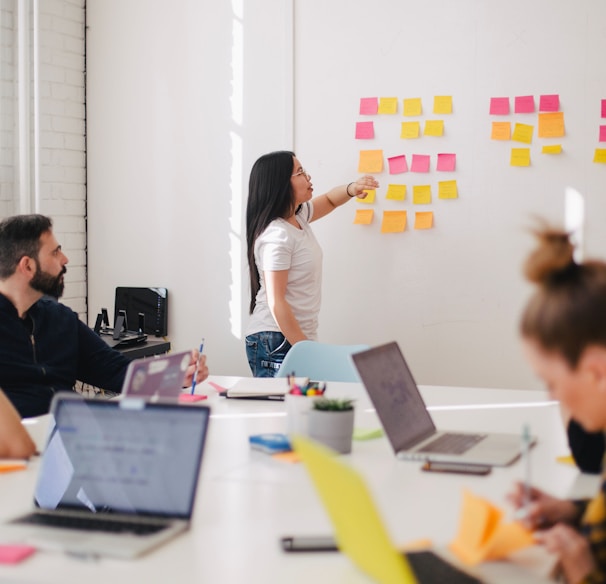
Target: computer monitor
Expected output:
[151,302]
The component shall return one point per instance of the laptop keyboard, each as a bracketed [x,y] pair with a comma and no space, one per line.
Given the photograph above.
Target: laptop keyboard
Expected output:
[429,568]
[91,524]
[452,443]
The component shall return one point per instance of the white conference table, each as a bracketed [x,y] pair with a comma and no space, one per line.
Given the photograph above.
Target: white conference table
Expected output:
[247,500]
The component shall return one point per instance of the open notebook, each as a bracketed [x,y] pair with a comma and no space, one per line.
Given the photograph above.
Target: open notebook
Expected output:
[359,529]
[117,477]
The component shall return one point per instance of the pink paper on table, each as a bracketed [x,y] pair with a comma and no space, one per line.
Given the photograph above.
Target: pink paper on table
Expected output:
[420,163]
[369,106]
[13,554]
[397,164]
[499,106]
[365,130]
[446,162]
[549,103]
[524,104]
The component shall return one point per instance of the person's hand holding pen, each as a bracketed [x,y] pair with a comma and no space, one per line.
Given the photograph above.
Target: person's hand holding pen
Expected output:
[197,369]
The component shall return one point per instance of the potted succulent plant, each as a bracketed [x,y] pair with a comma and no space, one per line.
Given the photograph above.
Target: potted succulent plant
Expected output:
[331,422]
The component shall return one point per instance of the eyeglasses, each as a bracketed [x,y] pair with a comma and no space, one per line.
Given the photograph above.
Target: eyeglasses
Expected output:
[302,171]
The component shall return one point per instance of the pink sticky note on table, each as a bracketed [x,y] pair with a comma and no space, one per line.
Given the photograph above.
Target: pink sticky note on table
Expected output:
[499,106]
[524,104]
[602,133]
[13,554]
[446,162]
[369,106]
[365,130]
[549,103]
[189,398]
[397,164]
[420,163]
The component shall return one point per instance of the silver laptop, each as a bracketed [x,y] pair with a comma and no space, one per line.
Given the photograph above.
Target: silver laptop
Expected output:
[117,477]
[408,424]
[154,378]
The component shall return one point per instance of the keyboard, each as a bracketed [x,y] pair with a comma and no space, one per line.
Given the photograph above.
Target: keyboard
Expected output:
[91,524]
[429,568]
[451,443]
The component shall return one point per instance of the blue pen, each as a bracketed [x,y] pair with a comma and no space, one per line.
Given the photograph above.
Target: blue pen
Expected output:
[193,381]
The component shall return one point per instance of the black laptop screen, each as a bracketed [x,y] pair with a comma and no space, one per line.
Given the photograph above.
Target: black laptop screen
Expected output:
[110,456]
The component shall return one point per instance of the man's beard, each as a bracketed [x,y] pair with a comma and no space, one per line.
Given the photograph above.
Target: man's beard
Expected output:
[47,283]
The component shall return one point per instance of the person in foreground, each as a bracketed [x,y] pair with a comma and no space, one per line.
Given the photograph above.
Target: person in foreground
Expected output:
[563,329]
[44,347]
[15,441]
[284,257]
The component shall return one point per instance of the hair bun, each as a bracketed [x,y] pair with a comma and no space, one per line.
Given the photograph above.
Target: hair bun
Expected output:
[552,257]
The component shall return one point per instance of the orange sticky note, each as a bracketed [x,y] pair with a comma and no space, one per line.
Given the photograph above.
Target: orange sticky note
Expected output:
[396,192]
[551,125]
[423,219]
[290,456]
[364,216]
[501,131]
[413,106]
[421,194]
[434,128]
[393,221]
[447,189]
[442,104]
[520,157]
[371,161]
[388,105]
[410,130]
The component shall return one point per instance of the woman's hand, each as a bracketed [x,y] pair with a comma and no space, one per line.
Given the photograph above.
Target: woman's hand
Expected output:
[357,188]
[541,510]
[572,549]
[202,368]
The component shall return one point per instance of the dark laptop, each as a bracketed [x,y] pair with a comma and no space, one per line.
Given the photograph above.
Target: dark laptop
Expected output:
[407,423]
[117,477]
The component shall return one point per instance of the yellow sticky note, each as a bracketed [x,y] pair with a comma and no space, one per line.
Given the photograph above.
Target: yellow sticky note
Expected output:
[388,105]
[423,219]
[369,198]
[552,149]
[410,130]
[482,535]
[566,459]
[434,128]
[523,133]
[421,194]
[551,125]
[501,131]
[520,157]
[364,216]
[600,155]
[413,106]
[371,161]
[447,189]
[442,104]
[393,221]
[396,192]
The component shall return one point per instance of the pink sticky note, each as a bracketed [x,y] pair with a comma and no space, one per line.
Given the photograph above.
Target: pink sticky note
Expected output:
[446,162]
[420,163]
[365,130]
[604,108]
[602,133]
[549,103]
[524,104]
[397,164]
[189,398]
[369,106]
[13,554]
[499,106]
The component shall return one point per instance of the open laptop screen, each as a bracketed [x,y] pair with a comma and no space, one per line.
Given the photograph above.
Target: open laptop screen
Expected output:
[122,456]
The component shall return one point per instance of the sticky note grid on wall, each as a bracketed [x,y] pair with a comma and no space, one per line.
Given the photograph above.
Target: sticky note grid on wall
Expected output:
[398,192]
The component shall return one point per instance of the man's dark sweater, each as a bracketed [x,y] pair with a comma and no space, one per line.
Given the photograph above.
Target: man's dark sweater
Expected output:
[48,351]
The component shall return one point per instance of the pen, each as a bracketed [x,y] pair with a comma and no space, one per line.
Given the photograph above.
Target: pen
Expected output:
[193,381]
[526,455]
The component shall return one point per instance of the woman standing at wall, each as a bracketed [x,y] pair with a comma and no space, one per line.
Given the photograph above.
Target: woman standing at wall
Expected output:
[284,257]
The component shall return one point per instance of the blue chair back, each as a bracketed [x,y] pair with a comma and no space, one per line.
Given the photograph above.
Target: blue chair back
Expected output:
[321,361]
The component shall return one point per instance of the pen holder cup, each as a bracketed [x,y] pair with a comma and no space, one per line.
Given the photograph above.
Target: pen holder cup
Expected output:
[297,414]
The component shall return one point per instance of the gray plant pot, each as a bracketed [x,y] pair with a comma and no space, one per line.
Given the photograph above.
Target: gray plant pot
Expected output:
[332,428]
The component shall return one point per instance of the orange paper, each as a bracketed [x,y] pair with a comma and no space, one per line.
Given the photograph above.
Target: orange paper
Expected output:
[393,221]
[363,216]
[501,131]
[551,125]
[371,161]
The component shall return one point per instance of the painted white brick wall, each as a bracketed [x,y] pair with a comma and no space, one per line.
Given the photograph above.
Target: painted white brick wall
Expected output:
[62,129]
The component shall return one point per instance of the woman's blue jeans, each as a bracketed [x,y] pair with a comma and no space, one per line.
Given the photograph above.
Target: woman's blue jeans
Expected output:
[266,351]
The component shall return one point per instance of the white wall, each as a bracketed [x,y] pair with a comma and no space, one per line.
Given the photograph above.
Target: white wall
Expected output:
[174,126]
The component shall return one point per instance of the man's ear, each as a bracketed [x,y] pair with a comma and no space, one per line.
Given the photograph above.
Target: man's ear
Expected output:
[26,267]
[593,364]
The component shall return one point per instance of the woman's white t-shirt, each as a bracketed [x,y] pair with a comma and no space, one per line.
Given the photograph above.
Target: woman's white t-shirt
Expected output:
[284,247]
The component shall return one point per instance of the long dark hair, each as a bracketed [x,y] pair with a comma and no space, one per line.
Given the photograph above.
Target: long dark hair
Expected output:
[270,196]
